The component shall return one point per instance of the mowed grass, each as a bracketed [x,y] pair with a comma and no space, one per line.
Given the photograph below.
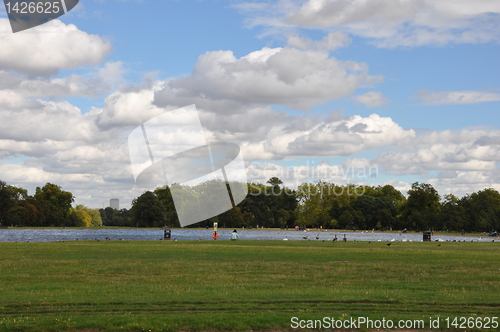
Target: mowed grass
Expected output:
[242,285]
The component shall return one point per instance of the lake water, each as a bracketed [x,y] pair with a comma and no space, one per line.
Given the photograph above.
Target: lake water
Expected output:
[48,235]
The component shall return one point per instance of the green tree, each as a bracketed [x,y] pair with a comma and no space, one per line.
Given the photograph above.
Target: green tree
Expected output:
[165,196]
[22,213]
[94,214]
[422,207]
[483,210]
[148,211]
[9,195]
[453,215]
[59,202]
[255,207]
[81,218]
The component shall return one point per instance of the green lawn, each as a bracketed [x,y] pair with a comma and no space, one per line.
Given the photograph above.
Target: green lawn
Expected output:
[242,286]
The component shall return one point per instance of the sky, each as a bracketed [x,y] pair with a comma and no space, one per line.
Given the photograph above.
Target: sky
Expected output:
[348,91]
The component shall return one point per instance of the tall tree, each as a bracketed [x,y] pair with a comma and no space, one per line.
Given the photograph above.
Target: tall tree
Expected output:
[148,211]
[452,215]
[483,210]
[422,207]
[58,201]
[165,196]
[7,201]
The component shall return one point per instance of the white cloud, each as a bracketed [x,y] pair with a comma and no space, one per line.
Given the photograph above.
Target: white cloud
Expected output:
[339,137]
[328,13]
[293,176]
[20,92]
[388,23]
[295,78]
[464,150]
[331,42]
[46,49]
[128,108]
[372,99]
[456,97]
[112,73]
[461,183]
[90,160]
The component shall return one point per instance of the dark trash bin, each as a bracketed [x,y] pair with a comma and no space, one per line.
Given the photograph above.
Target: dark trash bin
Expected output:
[167,234]
[427,235]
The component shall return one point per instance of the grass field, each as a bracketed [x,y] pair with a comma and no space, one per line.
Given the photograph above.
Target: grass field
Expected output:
[240,286]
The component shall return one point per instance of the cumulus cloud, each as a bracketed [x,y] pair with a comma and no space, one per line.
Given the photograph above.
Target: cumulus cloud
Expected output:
[372,99]
[89,152]
[296,78]
[448,150]
[46,49]
[340,137]
[456,97]
[389,23]
[461,183]
[127,108]
[61,145]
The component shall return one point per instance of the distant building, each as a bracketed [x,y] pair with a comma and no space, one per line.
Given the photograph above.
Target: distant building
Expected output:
[114,203]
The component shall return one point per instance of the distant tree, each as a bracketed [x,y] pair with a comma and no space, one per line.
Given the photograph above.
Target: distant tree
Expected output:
[104,217]
[94,214]
[482,210]
[313,211]
[422,207]
[148,211]
[109,213]
[255,207]
[379,210]
[112,217]
[7,200]
[127,217]
[22,213]
[452,215]
[58,201]
[81,218]
[275,182]
[165,196]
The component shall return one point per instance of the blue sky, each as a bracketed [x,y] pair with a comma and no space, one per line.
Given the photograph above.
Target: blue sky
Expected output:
[409,87]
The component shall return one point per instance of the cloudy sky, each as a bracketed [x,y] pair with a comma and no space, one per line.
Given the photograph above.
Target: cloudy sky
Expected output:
[348,91]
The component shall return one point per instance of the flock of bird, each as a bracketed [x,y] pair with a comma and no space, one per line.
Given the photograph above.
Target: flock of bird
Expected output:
[388,244]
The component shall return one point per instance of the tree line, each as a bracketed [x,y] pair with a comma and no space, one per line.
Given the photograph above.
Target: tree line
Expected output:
[271,205]
[49,207]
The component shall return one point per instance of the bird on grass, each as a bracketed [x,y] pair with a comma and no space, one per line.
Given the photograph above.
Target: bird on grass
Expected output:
[389,244]
[439,245]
